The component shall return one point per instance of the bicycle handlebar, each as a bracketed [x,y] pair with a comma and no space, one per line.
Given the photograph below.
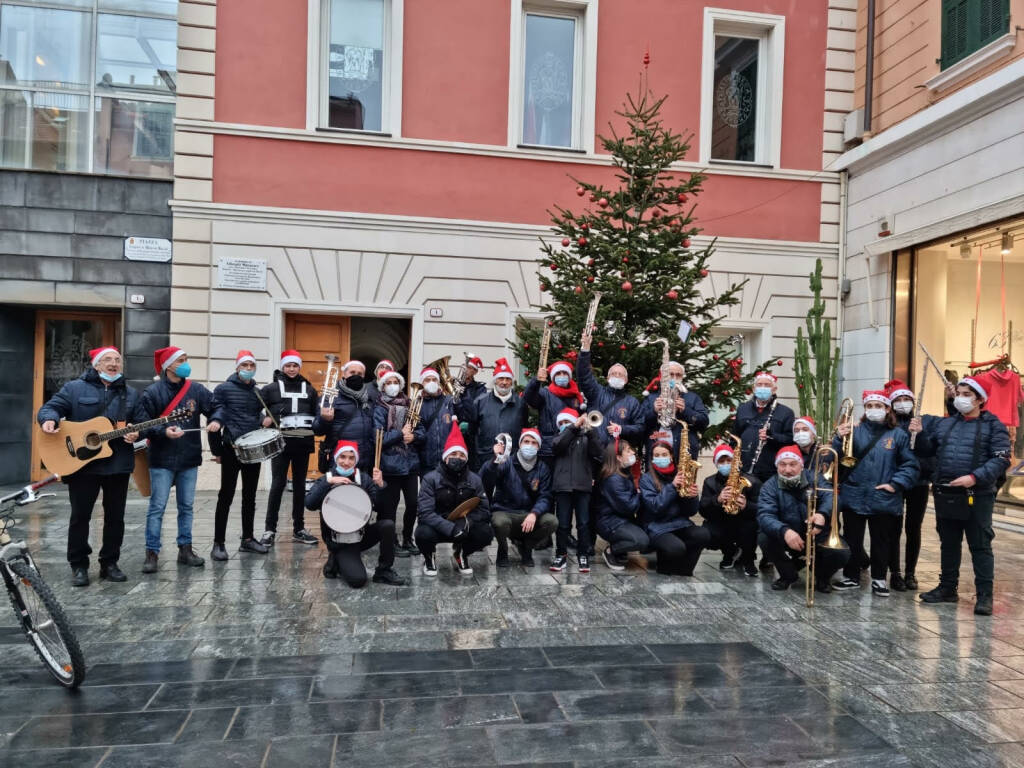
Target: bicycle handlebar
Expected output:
[28,493]
[45,481]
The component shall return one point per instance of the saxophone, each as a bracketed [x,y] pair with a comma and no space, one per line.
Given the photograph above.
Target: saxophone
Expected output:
[736,482]
[667,414]
[686,465]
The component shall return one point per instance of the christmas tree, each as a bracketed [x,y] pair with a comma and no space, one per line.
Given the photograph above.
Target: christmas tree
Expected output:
[633,243]
[816,362]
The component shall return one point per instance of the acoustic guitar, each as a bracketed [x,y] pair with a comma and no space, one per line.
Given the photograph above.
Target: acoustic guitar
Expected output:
[76,443]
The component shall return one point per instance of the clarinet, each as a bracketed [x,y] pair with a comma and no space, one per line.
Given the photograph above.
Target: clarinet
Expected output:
[760,443]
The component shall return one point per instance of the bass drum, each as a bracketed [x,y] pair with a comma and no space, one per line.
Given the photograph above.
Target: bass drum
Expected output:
[259,445]
[346,510]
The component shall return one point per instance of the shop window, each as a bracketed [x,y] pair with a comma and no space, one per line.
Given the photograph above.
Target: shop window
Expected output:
[741,116]
[131,51]
[44,47]
[968,25]
[134,138]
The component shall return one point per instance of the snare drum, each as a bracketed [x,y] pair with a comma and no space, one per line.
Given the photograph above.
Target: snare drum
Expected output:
[259,445]
[346,510]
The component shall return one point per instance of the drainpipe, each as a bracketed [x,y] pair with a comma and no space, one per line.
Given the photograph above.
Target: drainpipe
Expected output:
[840,298]
[869,68]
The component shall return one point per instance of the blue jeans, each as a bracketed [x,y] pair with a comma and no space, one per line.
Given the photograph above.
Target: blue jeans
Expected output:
[161,480]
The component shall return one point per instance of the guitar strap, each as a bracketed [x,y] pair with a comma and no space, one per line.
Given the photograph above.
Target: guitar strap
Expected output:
[177,398]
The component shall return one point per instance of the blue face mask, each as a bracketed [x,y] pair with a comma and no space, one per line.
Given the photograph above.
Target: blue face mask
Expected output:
[763,393]
[563,425]
[661,462]
[183,371]
[528,451]
[110,378]
[246,375]
[725,469]
[344,472]
[562,380]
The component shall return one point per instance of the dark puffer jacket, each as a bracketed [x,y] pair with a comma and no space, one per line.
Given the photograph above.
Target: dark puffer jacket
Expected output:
[488,417]
[237,408]
[87,397]
[712,511]
[396,456]
[549,406]
[617,406]
[662,509]
[889,461]
[578,457]
[695,414]
[616,503]
[281,406]
[951,441]
[432,432]
[352,421]
[927,462]
[187,450]
[748,422]
[517,489]
[440,494]
[780,509]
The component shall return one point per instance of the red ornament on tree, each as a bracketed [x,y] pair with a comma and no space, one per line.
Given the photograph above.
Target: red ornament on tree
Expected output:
[559,346]
[703,343]
[625,259]
[655,213]
[703,273]
[578,289]
[565,242]
[681,198]
[713,357]
[622,346]
[553,267]
[750,391]
[673,295]
[717,382]
[686,242]
[571,354]
[590,278]
[592,197]
[526,345]
[582,241]
[551,323]
[603,202]
[779,363]
[543,287]
[590,262]
[585,227]
[600,343]
[627,286]
[580,191]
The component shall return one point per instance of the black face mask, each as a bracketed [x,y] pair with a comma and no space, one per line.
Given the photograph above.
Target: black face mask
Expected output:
[455,466]
[354,382]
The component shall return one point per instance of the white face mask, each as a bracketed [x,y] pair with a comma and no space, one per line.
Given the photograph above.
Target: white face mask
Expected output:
[875,414]
[629,461]
[803,439]
[391,389]
[963,403]
[616,382]
[431,387]
[904,407]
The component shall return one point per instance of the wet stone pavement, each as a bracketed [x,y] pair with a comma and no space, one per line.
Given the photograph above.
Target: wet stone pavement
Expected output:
[261,662]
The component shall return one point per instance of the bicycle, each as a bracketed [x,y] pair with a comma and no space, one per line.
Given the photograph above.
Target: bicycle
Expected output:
[40,614]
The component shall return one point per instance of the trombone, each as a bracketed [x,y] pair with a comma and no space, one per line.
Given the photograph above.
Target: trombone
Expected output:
[834,541]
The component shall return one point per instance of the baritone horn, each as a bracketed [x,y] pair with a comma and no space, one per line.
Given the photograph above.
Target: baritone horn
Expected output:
[441,365]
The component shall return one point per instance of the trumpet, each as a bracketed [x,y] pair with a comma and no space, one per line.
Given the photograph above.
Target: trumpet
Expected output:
[834,540]
[330,390]
[594,420]
[845,417]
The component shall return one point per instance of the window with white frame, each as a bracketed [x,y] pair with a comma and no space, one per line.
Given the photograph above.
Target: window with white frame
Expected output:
[360,65]
[741,116]
[551,97]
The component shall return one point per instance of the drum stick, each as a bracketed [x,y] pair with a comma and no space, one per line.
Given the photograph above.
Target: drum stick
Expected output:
[376,454]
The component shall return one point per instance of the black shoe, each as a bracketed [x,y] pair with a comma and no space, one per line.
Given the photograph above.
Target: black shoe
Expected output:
[268,537]
[766,564]
[983,605]
[188,556]
[726,563]
[410,546]
[557,564]
[111,572]
[584,563]
[781,585]
[251,545]
[304,537]
[845,583]
[910,580]
[749,569]
[525,555]
[546,544]
[940,595]
[79,577]
[897,583]
[613,561]
[401,550]
[330,567]
[218,552]
[150,565]
[429,566]
[824,587]
[461,562]
[502,559]
[388,576]
[879,587]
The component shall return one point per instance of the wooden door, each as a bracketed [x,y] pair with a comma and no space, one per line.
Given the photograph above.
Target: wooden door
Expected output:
[62,344]
[314,337]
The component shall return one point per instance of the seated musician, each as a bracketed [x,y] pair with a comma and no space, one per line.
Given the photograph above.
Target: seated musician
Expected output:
[735,535]
[441,492]
[344,559]
[521,500]
[782,517]
[617,507]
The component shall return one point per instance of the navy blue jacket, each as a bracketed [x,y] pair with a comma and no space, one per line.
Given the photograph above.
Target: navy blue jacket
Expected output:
[440,494]
[396,457]
[780,509]
[187,450]
[87,397]
[517,489]
[352,421]
[548,406]
[617,406]
[432,432]
[951,441]
[616,503]
[488,417]
[695,414]
[748,422]
[664,510]
[474,391]
[890,461]
[237,408]
[927,462]
[318,491]
[578,455]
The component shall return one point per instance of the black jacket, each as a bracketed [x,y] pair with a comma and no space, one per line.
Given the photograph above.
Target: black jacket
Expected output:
[517,489]
[617,406]
[488,417]
[352,421]
[85,398]
[927,462]
[748,422]
[578,456]
[321,487]
[712,511]
[616,502]
[440,494]
[187,450]
[237,408]
[889,460]
[951,441]
[281,406]
[695,414]
[663,510]
[549,405]
[780,509]
[436,416]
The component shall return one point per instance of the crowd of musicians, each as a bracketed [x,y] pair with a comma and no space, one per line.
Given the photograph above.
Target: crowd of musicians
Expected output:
[622,476]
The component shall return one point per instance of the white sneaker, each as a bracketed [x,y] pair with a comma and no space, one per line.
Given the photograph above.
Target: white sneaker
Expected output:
[429,568]
[267,539]
[461,563]
[611,560]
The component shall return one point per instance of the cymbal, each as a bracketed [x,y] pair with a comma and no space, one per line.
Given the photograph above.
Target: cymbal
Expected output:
[464,508]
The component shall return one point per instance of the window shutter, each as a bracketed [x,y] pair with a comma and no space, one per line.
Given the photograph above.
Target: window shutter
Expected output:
[954,31]
[994,20]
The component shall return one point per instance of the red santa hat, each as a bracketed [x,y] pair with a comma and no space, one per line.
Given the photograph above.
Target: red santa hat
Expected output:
[428,372]
[898,388]
[290,356]
[474,361]
[164,357]
[567,414]
[559,366]
[723,450]
[808,422]
[455,442]
[874,396]
[346,446]
[349,363]
[663,438]
[383,365]
[766,375]
[96,354]
[244,356]
[534,433]
[968,381]
[789,452]
[385,375]
[502,368]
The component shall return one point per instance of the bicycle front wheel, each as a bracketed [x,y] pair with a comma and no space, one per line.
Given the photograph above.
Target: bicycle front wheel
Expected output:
[46,626]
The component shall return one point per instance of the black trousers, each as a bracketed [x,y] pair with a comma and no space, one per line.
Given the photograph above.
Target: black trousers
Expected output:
[395,487]
[883,528]
[568,503]
[346,559]
[230,467]
[913,518]
[478,536]
[732,534]
[83,489]
[978,530]
[295,455]
[628,538]
[788,561]
[679,550]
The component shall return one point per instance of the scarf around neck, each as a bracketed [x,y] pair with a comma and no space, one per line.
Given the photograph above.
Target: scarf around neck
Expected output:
[571,391]
[361,398]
